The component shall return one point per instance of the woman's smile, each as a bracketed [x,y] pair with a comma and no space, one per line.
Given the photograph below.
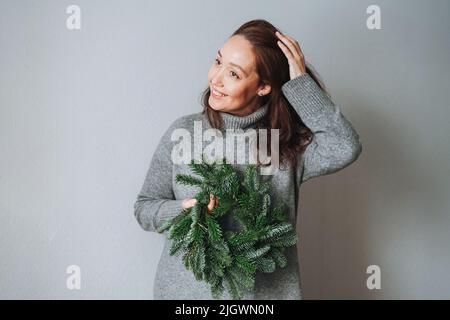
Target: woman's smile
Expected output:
[217,94]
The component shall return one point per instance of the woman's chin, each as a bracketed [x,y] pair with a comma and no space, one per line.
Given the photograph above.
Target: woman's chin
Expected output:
[215,106]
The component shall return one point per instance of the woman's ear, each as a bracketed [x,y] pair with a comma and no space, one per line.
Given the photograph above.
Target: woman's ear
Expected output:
[264,90]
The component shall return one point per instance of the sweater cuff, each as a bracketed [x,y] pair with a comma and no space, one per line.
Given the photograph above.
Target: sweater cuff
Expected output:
[306,96]
[169,209]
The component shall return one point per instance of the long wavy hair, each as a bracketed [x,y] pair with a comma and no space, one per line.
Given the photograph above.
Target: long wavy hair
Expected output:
[273,68]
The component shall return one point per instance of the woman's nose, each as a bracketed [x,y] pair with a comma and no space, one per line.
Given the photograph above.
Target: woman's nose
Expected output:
[217,79]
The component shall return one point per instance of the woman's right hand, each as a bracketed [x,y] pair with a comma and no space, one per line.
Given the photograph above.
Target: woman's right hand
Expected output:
[190,202]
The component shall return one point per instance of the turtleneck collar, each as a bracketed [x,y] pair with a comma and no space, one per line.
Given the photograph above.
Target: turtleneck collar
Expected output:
[231,121]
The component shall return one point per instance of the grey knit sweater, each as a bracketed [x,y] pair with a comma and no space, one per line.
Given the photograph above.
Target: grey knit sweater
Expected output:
[335,145]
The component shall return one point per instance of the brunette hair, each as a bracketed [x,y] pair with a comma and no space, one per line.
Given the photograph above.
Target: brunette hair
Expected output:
[273,68]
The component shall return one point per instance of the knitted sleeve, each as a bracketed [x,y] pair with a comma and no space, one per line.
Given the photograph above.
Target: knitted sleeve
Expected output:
[155,202]
[335,144]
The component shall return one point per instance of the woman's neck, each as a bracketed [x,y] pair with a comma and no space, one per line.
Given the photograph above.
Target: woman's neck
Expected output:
[242,122]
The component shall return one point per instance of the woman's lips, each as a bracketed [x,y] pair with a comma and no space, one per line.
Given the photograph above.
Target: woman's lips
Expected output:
[217,94]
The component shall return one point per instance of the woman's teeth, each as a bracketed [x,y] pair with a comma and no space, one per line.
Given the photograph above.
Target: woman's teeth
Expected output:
[217,93]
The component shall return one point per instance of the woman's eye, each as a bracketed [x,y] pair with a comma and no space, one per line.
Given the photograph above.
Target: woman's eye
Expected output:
[217,61]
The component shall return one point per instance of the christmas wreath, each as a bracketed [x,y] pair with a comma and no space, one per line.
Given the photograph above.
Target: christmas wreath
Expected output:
[235,256]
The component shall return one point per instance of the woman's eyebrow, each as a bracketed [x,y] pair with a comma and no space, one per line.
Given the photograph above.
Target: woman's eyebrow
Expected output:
[233,64]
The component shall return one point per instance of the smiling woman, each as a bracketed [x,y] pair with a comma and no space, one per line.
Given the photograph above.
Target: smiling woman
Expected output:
[258,80]
[248,72]
[233,79]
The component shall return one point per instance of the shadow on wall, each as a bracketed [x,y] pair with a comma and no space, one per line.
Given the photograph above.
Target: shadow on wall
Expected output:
[372,212]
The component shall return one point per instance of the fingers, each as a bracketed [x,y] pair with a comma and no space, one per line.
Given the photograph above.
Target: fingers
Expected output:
[213,202]
[290,46]
[286,51]
[188,203]
[296,45]
[290,42]
[210,205]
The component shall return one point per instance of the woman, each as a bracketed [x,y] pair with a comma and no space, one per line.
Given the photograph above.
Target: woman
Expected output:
[258,80]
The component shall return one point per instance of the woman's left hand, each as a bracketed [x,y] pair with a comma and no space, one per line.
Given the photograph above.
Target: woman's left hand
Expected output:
[190,202]
[293,53]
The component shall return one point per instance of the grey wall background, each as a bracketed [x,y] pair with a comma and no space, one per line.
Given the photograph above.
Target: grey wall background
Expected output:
[82,112]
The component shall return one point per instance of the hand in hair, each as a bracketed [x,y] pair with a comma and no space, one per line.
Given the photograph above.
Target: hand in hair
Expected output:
[293,53]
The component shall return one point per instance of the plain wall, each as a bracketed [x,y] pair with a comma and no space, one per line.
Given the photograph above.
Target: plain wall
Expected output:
[82,111]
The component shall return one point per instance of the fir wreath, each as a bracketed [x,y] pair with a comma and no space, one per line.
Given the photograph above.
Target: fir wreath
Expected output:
[215,255]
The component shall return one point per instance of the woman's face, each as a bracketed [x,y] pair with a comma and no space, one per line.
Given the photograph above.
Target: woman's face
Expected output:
[233,74]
